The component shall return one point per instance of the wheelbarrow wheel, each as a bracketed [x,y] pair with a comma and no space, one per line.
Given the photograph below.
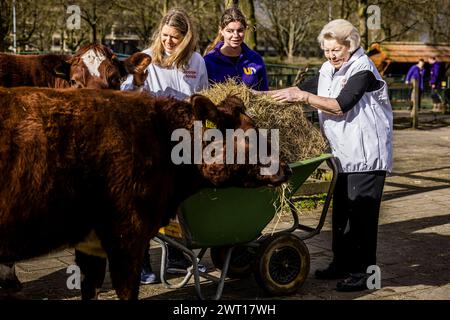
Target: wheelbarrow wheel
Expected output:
[241,260]
[282,264]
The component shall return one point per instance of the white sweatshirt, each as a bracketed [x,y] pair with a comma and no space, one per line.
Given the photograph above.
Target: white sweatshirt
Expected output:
[176,83]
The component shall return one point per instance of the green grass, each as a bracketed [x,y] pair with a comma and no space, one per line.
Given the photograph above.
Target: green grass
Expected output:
[308,203]
[322,174]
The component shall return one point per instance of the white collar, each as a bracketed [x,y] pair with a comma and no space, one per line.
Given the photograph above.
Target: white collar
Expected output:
[355,56]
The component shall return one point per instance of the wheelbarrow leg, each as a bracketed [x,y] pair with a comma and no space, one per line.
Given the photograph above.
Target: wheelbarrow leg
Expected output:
[220,281]
[223,274]
[162,240]
[193,270]
[332,163]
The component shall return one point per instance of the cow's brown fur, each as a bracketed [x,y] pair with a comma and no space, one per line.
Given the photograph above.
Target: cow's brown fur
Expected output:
[32,70]
[73,161]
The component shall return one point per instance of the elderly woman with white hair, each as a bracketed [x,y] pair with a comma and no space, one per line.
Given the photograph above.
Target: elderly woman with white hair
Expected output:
[356,117]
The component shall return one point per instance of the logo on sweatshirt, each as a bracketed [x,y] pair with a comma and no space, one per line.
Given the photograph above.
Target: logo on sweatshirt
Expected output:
[190,74]
[249,71]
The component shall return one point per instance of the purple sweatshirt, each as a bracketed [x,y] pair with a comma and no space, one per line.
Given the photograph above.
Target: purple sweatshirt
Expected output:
[415,73]
[249,67]
[436,73]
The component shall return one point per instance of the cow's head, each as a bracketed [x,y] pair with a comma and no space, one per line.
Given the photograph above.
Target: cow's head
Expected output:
[97,67]
[256,167]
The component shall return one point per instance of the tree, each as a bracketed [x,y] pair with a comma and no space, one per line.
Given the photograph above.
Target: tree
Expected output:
[399,20]
[34,24]
[5,24]
[231,3]
[140,17]
[205,15]
[288,24]
[248,8]
[436,19]
[362,15]
[27,21]
[97,14]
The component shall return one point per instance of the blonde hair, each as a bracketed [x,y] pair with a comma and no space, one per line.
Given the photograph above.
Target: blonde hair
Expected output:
[343,32]
[232,14]
[178,19]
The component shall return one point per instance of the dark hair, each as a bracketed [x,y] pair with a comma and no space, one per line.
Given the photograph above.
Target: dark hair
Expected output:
[232,14]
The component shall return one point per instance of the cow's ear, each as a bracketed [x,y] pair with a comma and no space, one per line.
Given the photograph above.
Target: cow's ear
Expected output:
[234,103]
[136,64]
[205,110]
[62,70]
[233,106]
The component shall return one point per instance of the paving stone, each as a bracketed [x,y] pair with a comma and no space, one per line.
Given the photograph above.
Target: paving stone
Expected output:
[433,293]
[40,264]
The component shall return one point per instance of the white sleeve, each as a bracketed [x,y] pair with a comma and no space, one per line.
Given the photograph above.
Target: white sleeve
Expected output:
[203,76]
[128,84]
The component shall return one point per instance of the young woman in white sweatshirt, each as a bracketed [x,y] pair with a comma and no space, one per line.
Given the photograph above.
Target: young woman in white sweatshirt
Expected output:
[176,71]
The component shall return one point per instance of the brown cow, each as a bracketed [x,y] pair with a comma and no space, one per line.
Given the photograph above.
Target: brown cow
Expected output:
[93,66]
[100,160]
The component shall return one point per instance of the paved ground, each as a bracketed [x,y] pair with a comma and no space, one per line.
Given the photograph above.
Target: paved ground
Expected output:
[414,235]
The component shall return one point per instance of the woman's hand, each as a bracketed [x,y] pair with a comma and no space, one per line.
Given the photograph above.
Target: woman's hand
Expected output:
[292,94]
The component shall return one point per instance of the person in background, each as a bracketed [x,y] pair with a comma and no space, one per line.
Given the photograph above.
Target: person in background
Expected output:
[355,115]
[437,73]
[416,72]
[229,57]
[176,71]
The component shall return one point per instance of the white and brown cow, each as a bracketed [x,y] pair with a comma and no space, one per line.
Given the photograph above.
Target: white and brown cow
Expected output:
[92,66]
[100,160]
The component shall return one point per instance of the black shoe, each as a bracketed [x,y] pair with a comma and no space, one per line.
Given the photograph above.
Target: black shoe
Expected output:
[330,273]
[355,282]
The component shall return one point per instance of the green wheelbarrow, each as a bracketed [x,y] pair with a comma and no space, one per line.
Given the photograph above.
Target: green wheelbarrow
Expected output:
[230,222]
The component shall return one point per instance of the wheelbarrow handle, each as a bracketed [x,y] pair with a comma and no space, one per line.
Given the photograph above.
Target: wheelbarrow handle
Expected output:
[311,232]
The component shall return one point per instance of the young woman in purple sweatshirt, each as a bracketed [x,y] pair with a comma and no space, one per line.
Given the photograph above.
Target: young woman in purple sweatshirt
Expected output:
[229,57]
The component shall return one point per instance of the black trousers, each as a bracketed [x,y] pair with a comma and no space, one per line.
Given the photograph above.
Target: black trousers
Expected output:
[356,209]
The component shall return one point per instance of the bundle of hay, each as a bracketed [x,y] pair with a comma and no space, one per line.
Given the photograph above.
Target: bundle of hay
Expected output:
[299,139]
